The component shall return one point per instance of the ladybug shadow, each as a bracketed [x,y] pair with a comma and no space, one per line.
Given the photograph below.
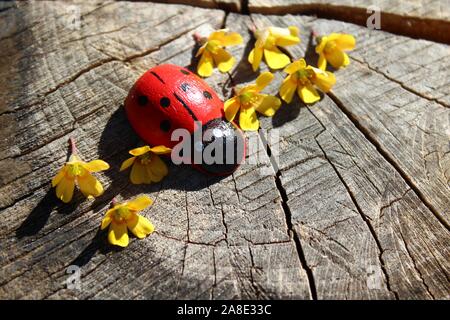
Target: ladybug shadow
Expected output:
[118,137]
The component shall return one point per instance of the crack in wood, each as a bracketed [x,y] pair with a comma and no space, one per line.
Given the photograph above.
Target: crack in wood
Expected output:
[415,265]
[406,25]
[402,85]
[391,203]
[289,223]
[369,136]
[366,220]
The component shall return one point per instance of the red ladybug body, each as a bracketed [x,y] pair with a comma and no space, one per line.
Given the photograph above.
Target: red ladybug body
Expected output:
[169,97]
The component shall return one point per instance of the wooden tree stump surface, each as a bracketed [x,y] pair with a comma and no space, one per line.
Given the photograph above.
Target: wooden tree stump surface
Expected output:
[351,202]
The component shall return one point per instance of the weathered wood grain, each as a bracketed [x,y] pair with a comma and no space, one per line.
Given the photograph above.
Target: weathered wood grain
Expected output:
[350,208]
[407,121]
[353,202]
[215,238]
[427,19]
[405,109]
[228,5]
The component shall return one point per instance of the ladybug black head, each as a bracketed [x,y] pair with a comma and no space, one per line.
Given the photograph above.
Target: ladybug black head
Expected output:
[222,147]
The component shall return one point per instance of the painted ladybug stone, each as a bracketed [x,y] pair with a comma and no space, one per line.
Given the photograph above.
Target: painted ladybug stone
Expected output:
[169,97]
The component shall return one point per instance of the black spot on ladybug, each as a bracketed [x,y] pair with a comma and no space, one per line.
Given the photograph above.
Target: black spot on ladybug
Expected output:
[165,125]
[142,100]
[164,102]
[184,104]
[207,95]
[184,72]
[157,76]
[184,86]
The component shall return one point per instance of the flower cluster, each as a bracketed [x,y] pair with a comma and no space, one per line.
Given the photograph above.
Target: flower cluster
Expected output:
[304,79]
[147,167]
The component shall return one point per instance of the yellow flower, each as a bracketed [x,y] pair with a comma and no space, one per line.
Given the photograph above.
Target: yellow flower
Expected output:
[248,99]
[302,78]
[212,52]
[267,41]
[76,171]
[331,48]
[123,216]
[147,166]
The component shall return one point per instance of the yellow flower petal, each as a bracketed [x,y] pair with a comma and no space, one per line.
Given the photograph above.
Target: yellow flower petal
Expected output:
[344,41]
[200,50]
[324,79]
[346,60]
[56,179]
[224,60]
[336,58]
[107,219]
[96,165]
[226,38]
[288,39]
[89,185]
[160,150]
[139,174]
[139,151]
[248,120]
[127,163]
[276,59]
[205,65]
[118,234]
[231,107]
[321,45]
[151,175]
[295,66]
[287,89]
[139,203]
[263,80]
[308,94]
[255,57]
[322,62]
[158,168]
[268,105]
[64,189]
[140,226]
[279,32]
[294,31]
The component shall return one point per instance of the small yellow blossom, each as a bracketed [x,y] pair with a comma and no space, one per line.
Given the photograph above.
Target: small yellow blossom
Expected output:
[267,42]
[76,171]
[331,49]
[212,52]
[123,217]
[248,99]
[302,78]
[147,165]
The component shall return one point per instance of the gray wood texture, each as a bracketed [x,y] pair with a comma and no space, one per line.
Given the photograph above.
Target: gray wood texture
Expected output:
[352,201]
[428,19]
